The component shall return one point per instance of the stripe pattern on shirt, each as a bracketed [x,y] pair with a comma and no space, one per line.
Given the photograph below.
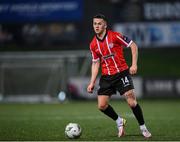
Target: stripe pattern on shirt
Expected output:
[111,53]
[102,55]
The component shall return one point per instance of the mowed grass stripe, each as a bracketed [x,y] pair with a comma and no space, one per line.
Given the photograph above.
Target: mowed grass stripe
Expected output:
[36,122]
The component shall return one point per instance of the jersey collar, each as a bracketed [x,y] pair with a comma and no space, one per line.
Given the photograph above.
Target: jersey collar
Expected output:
[103,37]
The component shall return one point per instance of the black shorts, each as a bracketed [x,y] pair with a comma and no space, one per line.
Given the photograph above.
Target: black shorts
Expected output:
[120,82]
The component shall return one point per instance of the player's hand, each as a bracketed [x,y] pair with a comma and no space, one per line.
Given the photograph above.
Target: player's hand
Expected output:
[90,88]
[133,69]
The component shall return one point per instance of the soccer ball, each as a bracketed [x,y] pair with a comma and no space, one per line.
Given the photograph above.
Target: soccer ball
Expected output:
[73,130]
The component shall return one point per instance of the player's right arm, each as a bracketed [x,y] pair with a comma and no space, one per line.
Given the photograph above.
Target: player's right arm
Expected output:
[94,68]
[94,72]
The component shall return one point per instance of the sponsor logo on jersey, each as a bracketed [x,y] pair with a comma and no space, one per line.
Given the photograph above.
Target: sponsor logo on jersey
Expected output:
[108,56]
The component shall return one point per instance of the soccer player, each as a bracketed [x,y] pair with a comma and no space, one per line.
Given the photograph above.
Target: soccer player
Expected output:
[107,51]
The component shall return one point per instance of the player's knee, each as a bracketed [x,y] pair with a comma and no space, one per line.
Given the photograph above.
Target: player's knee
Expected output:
[102,106]
[132,102]
[131,99]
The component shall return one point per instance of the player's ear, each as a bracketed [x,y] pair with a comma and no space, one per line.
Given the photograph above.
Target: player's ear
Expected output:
[105,24]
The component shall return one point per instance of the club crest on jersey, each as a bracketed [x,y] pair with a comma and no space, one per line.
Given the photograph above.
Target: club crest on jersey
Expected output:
[110,45]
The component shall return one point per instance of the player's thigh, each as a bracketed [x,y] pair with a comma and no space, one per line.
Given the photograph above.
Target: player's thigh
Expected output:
[105,86]
[103,101]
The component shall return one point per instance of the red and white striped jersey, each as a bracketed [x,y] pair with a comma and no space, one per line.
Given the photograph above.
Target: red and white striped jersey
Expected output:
[109,51]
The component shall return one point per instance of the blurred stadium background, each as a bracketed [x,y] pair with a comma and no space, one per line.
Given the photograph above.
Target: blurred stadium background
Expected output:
[44,48]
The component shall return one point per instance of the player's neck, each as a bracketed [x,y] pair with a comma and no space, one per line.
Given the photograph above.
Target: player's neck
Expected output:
[101,35]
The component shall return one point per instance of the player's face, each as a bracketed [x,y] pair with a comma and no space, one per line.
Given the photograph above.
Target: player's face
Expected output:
[99,25]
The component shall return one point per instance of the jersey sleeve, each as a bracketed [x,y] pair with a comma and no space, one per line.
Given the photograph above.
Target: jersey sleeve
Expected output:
[95,57]
[124,40]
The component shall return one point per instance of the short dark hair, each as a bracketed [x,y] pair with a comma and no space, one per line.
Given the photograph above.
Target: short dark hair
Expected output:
[100,16]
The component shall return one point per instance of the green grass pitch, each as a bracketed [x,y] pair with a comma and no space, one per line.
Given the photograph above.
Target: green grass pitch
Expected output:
[39,122]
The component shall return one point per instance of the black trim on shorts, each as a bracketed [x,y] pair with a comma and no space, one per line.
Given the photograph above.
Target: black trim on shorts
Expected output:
[110,84]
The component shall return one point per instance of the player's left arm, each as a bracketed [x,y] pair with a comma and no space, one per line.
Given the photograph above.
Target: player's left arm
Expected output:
[134,52]
[127,42]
